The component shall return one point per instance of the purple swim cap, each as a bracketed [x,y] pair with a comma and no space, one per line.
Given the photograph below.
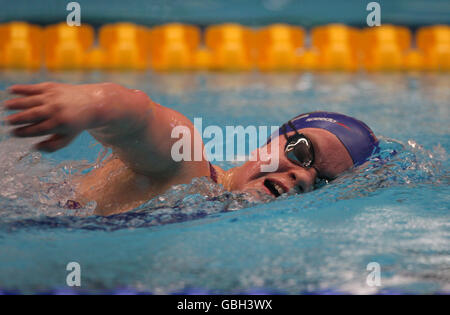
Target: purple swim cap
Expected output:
[355,135]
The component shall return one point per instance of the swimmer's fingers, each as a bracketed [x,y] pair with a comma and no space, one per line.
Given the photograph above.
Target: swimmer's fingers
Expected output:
[55,142]
[31,89]
[19,103]
[30,116]
[47,127]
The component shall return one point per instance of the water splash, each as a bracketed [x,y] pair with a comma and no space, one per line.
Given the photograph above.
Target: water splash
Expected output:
[34,192]
[396,165]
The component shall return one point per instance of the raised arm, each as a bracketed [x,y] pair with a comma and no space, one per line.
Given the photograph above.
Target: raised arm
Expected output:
[136,128]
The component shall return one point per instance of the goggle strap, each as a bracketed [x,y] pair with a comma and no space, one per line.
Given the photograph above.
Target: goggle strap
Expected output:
[285,131]
[292,126]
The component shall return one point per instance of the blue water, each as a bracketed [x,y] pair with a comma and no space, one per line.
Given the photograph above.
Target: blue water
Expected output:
[197,236]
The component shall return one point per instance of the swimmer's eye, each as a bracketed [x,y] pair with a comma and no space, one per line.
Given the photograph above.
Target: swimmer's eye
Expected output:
[299,150]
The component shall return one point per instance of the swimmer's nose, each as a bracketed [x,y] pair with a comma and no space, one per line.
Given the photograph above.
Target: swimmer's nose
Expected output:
[302,179]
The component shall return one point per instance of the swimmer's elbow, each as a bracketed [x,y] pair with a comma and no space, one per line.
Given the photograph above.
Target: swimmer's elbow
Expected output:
[121,112]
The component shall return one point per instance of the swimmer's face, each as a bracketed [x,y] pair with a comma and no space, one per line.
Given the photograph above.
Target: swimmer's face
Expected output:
[331,159]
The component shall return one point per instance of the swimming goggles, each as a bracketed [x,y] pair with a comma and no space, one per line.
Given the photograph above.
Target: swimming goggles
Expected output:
[298,148]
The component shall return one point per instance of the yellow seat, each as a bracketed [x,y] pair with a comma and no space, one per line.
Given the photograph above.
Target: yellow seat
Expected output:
[95,59]
[434,43]
[385,47]
[231,46]
[173,46]
[277,47]
[20,46]
[66,46]
[308,60]
[413,60]
[337,47]
[202,59]
[125,46]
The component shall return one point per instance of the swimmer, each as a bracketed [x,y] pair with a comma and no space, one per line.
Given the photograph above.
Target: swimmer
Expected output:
[312,146]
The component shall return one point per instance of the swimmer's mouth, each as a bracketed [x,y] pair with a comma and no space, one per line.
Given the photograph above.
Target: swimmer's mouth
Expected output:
[274,188]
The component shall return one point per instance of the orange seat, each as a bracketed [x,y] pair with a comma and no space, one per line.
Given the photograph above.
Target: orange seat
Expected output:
[95,59]
[173,46]
[203,59]
[20,46]
[434,43]
[66,46]
[413,60]
[277,46]
[231,46]
[308,60]
[337,47]
[385,46]
[125,46]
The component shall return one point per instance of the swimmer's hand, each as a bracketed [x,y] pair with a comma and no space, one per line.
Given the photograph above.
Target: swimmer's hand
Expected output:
[137,129]
[61,111]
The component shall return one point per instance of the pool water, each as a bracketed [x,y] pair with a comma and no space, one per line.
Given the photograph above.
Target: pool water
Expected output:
[394,211]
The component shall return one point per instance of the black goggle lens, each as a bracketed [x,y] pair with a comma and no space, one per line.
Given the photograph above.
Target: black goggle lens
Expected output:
[299,150]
